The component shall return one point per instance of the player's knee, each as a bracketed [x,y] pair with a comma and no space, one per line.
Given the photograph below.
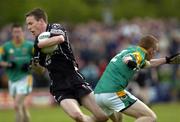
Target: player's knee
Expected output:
[18,106]
[150,116]
[78,116]
[153,117]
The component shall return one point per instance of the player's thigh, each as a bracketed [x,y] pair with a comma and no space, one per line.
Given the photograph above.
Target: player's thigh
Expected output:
[70,106]
[88,101]
[103,101]
[19,100]
[139,109]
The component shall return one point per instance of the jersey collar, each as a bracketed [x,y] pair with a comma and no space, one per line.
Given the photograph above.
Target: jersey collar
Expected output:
[17,45]
[144,50]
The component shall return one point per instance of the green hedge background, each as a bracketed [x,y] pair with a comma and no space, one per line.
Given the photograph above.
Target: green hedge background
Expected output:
[76,11]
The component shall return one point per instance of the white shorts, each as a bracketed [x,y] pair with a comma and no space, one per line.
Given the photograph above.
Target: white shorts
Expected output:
[22,86]
[110,102]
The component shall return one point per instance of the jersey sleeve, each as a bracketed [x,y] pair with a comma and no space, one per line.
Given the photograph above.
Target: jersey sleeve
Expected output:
[2,53]
[136,57]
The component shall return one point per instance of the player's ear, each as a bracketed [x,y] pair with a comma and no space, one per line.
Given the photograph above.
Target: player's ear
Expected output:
[41,20]
[150,51]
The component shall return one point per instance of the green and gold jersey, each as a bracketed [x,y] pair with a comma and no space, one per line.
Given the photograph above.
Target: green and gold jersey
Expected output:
[10,52]
[117,74]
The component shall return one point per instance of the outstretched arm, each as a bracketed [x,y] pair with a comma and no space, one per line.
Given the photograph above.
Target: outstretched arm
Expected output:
[155,62]
[174,59]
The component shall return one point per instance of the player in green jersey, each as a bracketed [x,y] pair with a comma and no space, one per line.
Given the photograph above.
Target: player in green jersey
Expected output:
[110,93]
[15,56]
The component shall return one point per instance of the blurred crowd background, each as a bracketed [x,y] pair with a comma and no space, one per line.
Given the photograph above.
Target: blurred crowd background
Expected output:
[98,29]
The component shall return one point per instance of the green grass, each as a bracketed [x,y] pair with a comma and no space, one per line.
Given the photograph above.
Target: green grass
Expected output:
[166,113]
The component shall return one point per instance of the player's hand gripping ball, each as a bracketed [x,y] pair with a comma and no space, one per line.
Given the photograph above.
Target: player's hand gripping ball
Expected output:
[43,37]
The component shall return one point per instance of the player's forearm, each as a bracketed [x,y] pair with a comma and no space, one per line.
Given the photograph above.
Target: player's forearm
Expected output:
[51,41]
[157,62]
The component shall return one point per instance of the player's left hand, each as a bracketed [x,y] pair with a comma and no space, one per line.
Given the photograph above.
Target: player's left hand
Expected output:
[174,59]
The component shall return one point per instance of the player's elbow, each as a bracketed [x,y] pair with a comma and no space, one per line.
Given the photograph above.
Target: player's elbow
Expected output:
[153,118]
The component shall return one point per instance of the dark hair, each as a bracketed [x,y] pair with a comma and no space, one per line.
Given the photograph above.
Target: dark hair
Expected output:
[148,41]
[38,13]
[16,25]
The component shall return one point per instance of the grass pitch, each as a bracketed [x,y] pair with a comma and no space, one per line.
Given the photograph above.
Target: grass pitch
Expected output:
[169,112]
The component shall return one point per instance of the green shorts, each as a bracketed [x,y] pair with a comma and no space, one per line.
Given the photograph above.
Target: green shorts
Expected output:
[22,86]
[119,101]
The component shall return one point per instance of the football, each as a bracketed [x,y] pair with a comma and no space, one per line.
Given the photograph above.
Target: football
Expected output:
[42,37]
